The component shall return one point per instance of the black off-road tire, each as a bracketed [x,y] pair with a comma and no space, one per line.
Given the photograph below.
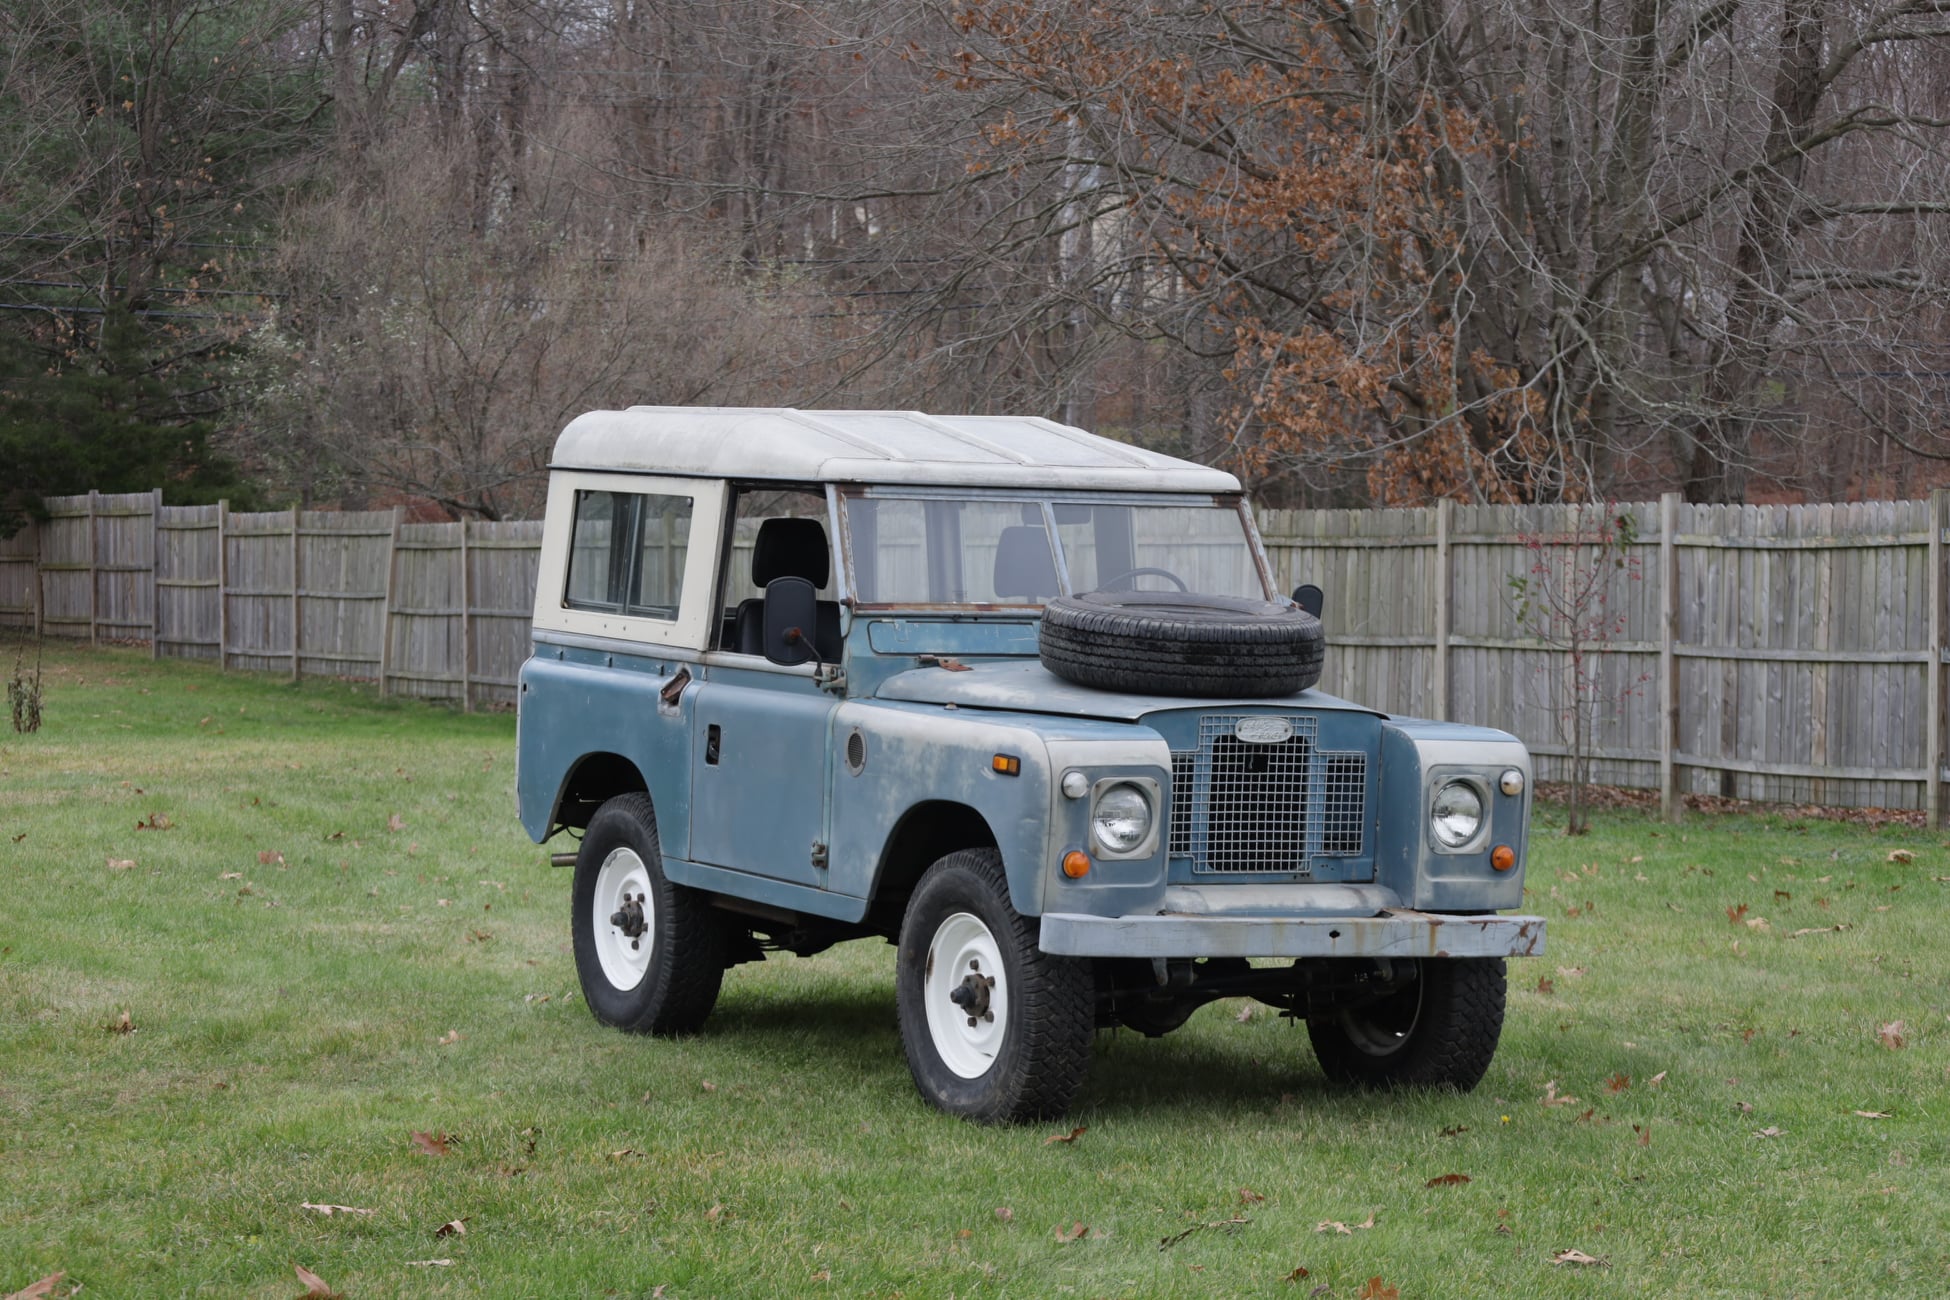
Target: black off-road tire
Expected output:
[687,940]
[1438,1032]
[1176,643]
[1043,1050]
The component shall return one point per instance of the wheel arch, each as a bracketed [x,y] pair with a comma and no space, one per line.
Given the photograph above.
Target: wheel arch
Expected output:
[591,780]
[925,833]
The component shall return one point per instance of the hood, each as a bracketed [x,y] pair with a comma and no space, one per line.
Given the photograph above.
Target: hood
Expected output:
[1025,686]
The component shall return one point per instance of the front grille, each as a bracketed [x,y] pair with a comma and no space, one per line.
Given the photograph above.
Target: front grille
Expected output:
[1240,806]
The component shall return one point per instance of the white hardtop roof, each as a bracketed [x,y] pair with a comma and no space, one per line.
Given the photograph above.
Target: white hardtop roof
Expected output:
[904,447]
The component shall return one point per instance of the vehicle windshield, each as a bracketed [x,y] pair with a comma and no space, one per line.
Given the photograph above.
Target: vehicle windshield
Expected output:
[989,550]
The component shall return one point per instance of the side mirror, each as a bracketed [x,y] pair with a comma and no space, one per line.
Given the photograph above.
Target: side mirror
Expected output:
[1310,598]
[791,620]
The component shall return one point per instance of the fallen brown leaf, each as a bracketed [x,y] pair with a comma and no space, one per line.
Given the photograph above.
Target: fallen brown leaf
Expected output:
[156,822]
[1455,1130]
[1376,1289]
[1769,1132]
[1577,1257]
[1071,1136]
[1820,929]
[124,1024]
[713,1214]
[1447,1180]
[395,823]
[1367,1222]
[315,1287]
[1004,1214]
[329,1210]
[1546,985]
[1073,1233]
[1645,1134]
[1551,1096]
[432,1144]
[1618,1083]
[452,1228]
[1736,914]
[266,857]
[1891,1036]
[121,864]
[1656,1079]
[1247,1196]
[429,1263]
[1245,1013]
[231,875]
[1901,855]
[1332,1225]
[38,1290]
[1297,1273]
[1874,1114]
[449,1038]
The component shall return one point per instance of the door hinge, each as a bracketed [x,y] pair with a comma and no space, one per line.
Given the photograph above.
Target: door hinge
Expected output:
[819,854]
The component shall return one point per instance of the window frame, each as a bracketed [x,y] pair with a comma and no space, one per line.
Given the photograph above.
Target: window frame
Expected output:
[687,629]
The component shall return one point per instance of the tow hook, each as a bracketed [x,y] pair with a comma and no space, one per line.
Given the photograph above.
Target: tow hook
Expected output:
[629,918]
[972,996]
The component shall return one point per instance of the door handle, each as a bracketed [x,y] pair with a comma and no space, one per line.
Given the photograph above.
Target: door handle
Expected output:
[711,745]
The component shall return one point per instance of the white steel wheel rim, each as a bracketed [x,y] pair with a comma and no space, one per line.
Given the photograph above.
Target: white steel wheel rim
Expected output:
[963,948]
[621,878]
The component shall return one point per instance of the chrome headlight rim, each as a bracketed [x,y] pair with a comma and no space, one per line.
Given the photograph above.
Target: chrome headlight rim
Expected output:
[1458,814]
[1137,802]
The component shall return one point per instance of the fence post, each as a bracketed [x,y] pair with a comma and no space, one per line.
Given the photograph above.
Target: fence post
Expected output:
[94,561]
[1669,801]
[1443,508]
[40,599]
[155,574]
[466,626]
[223,586]
[294,593]
[1933,682]
[386,611]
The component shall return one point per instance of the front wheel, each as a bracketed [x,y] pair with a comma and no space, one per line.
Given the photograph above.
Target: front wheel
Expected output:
[650,954]
[994,1028]
[1439,1030]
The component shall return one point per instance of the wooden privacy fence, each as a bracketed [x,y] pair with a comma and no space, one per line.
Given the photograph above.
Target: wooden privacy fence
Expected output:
[1780,653]
[438,610]
[1777,653]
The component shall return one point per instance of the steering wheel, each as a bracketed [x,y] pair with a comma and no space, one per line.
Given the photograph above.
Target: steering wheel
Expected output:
[1109,583]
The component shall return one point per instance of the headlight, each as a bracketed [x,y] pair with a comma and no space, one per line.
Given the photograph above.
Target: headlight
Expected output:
[1457,814]
[1122,818]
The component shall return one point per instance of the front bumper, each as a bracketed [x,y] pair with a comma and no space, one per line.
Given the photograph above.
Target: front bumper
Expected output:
[1394,932]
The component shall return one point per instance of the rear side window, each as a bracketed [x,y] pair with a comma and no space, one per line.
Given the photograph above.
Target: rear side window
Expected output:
[626,553]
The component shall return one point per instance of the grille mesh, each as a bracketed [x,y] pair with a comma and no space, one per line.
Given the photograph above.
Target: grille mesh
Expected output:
[1240,807]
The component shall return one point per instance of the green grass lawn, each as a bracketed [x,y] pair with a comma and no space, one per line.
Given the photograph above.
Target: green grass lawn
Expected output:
[342,938]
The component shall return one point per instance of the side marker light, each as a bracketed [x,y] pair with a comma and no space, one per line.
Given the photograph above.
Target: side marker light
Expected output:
[1006,764]
[1503,857]
[1076,864]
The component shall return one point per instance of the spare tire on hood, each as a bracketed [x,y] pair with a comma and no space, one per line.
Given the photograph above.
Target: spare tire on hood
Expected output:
[1180,643]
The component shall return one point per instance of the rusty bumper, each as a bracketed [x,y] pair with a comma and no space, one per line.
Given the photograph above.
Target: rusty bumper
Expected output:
[1392,933]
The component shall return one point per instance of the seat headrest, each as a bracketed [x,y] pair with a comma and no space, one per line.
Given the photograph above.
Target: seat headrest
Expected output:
[1023,563]
[790,548]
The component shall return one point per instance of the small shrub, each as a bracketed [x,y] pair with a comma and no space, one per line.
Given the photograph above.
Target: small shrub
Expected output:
[24,691]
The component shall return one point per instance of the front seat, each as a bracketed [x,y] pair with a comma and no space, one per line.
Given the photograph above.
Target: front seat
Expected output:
[1024,566]
[788,548]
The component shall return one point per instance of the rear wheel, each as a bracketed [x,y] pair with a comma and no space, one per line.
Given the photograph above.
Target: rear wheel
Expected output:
[1439,1030]
[650,954]
[994,1028]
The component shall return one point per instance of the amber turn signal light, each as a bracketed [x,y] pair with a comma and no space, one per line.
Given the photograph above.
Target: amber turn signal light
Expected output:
[1503,857]
[1076,864]
[1006,764]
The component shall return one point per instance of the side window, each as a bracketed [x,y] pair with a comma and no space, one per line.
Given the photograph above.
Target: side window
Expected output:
[750,509]
[626,553]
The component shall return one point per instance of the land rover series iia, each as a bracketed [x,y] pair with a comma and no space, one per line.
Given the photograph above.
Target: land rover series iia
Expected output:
[1023,701]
